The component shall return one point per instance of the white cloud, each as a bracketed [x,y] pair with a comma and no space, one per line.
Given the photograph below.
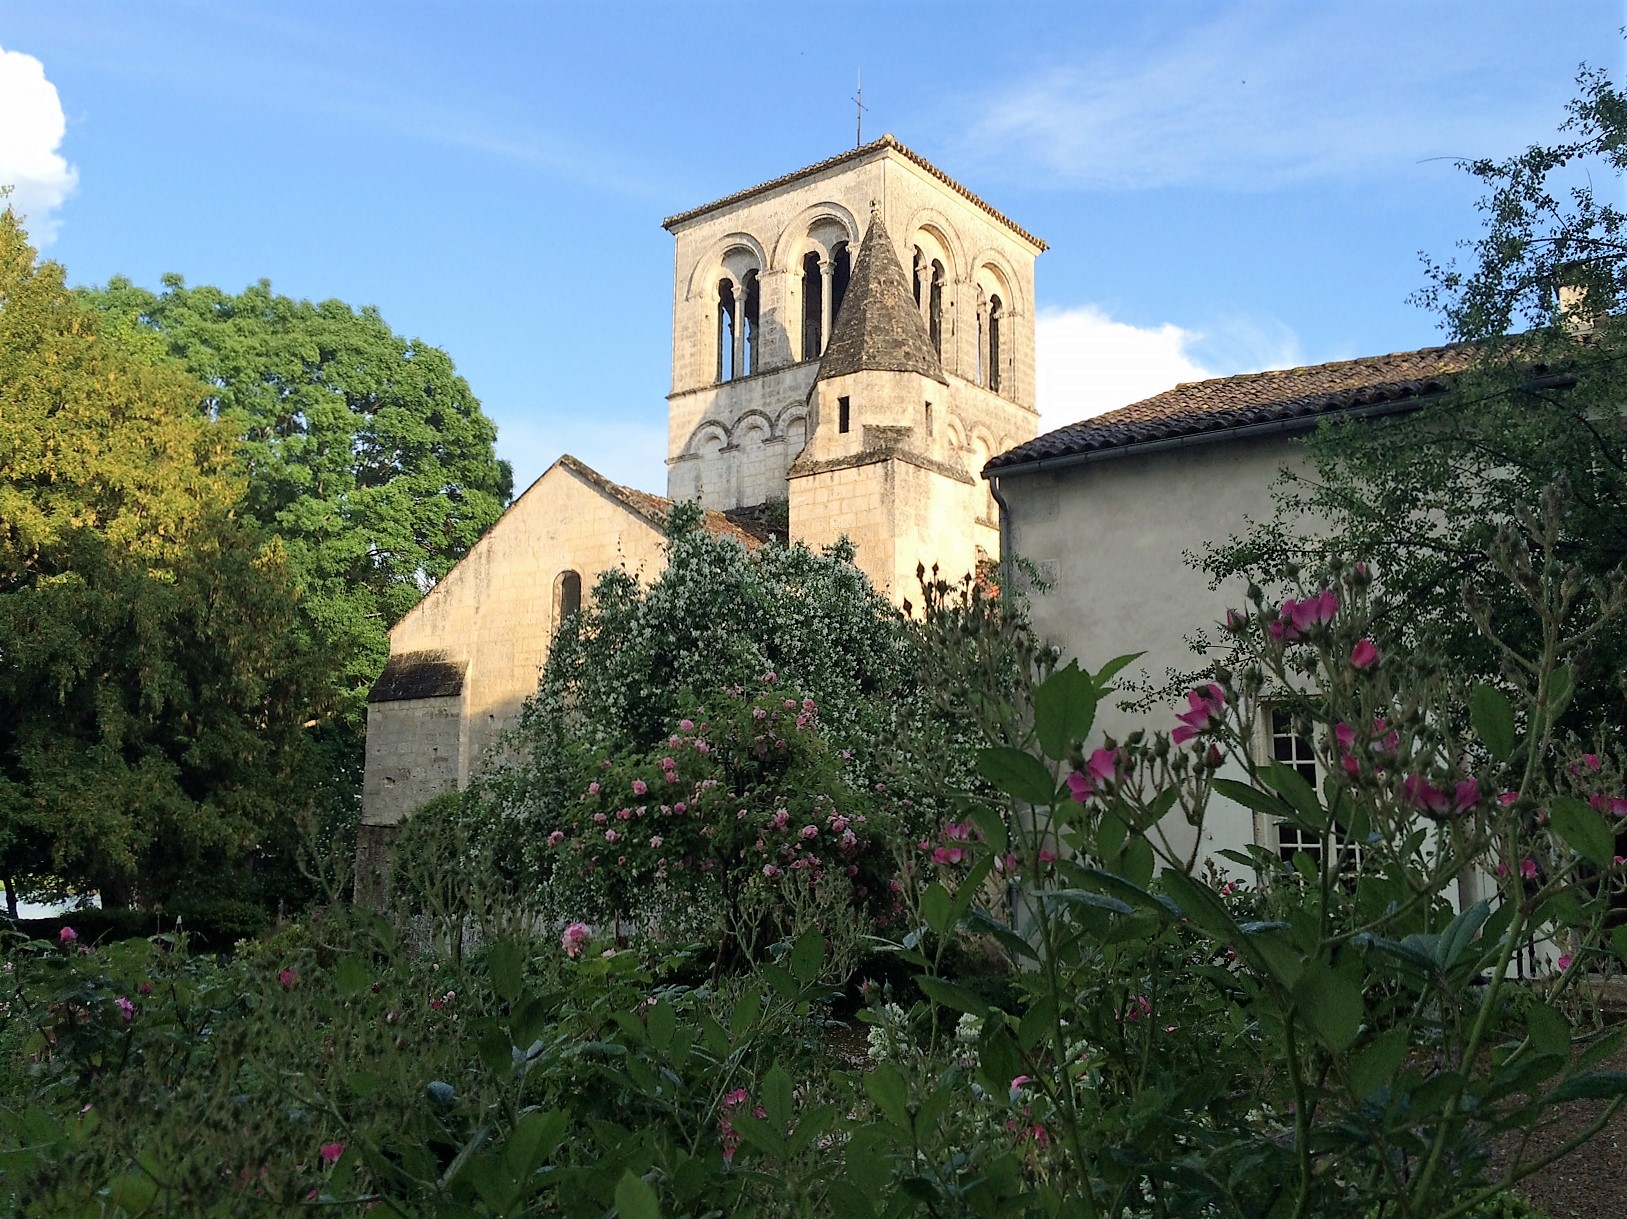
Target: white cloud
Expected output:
[1266,94]
[31,129]
[1088,363]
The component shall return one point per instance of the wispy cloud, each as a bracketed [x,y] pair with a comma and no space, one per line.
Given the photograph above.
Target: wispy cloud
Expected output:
[1088,362]
[1269,94]
[31,131]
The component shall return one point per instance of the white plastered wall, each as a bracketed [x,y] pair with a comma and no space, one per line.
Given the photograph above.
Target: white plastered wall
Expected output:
[1109,536]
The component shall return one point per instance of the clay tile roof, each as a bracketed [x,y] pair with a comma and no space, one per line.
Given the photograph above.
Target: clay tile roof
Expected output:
[1252,399]
[879,327]
[656,508]
[429,674]
[856,154]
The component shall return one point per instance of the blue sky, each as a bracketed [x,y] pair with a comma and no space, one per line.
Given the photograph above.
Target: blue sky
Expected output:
[1224,187]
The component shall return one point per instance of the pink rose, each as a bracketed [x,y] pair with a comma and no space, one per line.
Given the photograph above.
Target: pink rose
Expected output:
[575,938]
[1202,714]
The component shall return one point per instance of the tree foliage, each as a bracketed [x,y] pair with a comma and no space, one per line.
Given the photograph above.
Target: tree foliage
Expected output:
[1525,457]
[365,452]
[151,688]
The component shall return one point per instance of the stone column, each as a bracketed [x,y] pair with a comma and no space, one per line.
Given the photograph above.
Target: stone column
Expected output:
[826,270]
[739,369]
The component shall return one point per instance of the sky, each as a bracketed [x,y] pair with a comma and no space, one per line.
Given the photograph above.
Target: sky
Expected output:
[1224,187]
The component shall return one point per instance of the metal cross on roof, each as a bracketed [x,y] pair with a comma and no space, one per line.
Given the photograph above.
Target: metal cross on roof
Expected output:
[858,116]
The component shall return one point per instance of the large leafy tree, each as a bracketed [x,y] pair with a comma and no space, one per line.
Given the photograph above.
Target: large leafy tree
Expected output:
[152,693]
[366,452]
[1524,463]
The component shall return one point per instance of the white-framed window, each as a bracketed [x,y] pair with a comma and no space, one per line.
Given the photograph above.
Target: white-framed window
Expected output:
[1287,741]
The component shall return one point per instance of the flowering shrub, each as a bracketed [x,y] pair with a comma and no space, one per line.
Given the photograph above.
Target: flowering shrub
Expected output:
[740,810]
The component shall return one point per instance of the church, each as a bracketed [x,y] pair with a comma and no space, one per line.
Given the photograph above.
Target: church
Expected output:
[851,344]
[853,355]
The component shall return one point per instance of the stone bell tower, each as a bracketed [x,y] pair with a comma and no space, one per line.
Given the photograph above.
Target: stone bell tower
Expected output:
[875,280]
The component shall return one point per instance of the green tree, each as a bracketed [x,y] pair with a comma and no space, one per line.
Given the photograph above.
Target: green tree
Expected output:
[366,453]
[152,691]
[1525,457]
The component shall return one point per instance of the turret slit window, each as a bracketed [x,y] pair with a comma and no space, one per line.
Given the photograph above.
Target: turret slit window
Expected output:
[725,330]
[567,596]
[996,317]
[843,415]
[812,288]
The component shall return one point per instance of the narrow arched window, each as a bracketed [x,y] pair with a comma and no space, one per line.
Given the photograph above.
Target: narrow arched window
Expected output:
[982,338]
[922,276]
[812,297]
[747,317]
[934,313]
[567,596]
[840,272]
[996,320]
[725,330]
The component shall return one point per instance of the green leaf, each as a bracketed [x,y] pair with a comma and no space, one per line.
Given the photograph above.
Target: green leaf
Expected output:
[1292,787]
[748,1009]
[935,904]
[1131,894]
[1113,668]
[351,977]
[1560,686]
[1584,829]
[1618,943]
[496,1051]
[507,965]
[1493,718]
[1550,1032]
[1064,710]
[1018,774]
[983,922]
[887,1088]
[993,827]
[1331,1005]
[527,1024]
[635,1199]
[1137,861]
[849,1199]
[808,956]
[1593,1085]
[971,884]
[1110,835]
[776,1096]
[1460,933]
[952,995]
[1253,799]
[1376,1063]
[659,1023]
[1084,897]
[134,1192]
[534,1139]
